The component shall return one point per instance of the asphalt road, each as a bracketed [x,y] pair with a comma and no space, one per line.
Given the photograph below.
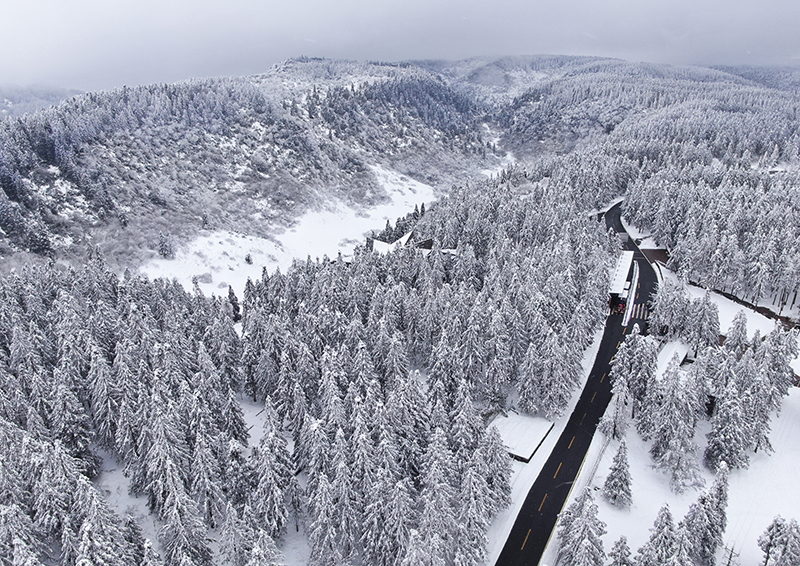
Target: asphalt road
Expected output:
[545,500]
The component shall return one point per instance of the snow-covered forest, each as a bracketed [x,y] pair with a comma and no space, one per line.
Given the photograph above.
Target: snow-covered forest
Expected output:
[376,375]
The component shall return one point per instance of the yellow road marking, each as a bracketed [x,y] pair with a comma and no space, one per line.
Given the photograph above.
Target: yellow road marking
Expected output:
[602,378]
[624,330]
[526,539]
[593,396]
[542,503]
[618,343]
[583,417]
[557,470]
[570,443]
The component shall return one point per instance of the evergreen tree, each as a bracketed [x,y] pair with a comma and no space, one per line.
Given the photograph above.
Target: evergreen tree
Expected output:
[614,423]
[579,534]
[498,469]
[322,535]
[736,340]
[662,543]
[437,524]
[264,552]
[617,487]
[729,439]
[236,538]
[620,553]
[781,543]
[473,515]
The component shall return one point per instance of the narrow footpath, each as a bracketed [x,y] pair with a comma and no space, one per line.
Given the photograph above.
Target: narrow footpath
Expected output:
[537,517]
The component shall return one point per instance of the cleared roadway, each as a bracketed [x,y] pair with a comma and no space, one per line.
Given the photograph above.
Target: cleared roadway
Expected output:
[537,517]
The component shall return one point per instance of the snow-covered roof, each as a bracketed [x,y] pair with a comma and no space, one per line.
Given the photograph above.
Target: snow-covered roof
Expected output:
[384,248]
[522,434]
[620,274]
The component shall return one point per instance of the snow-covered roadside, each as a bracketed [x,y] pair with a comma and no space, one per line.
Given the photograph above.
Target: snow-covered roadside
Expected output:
[770,486]
[525,474]
[767,488]
[218,258]
[727,308]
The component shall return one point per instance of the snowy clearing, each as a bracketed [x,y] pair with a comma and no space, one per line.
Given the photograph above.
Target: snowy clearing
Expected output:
[217,259]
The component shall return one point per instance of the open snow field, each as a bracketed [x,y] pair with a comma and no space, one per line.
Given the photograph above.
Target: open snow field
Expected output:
[218,258]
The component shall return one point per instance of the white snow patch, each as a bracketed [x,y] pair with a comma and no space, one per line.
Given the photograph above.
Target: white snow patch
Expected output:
[337,228]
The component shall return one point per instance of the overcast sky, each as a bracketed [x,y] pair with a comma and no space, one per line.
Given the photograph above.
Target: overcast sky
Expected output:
[96,44]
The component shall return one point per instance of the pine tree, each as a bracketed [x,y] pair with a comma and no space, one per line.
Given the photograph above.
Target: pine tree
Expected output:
[236,538]
[697,525]
[132,533]
[620,553]
[781,543]
[437,524]
[614,423]
[94,548]
[736,340]
[264,552]
[473,515]
[273,473]
[183,533]
[322,536]
[682,555]
[728,440]
[662,542]
[345,514]
[498,469]
[617,487]
[716,510]
[579,534]
[206,482]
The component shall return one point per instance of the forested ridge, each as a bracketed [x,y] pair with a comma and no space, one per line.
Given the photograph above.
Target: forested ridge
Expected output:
[377,375]
[392,462]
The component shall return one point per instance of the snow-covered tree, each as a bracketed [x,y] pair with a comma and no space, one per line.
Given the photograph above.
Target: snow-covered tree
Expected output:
[620,553]
[662,542]
[781,543]
[617,487]
[729,439]
[579,533]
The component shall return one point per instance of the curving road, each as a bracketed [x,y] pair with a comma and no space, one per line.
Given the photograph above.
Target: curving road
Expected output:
[545,500]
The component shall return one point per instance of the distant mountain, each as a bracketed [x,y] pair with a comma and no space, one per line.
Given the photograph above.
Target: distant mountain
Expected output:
[122,168]
[17,101]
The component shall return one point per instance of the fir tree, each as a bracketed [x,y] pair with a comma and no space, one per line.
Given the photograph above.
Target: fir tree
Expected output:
[662,542]
[579,535]
[781,543]
[620,553]
[728,440]
[617,487]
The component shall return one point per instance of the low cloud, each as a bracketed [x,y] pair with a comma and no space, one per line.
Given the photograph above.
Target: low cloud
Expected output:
[95,44]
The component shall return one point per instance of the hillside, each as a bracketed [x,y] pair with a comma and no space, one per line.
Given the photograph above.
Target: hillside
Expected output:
[130,408]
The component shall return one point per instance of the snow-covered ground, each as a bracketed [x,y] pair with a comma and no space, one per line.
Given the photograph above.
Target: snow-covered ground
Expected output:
[770,486]
[525,474]
[218,258]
